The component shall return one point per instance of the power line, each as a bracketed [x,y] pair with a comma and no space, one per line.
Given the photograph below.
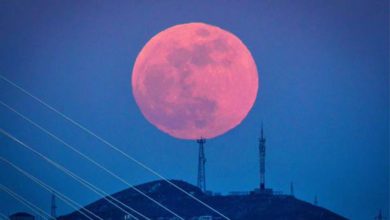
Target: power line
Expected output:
[111,146]
[4,216]
[25,202]
[61,196]
[77,178]
[74,149]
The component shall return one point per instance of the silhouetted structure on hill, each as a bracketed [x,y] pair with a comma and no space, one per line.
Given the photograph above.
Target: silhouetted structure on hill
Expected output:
[53,207]
[201,165]
[262,159]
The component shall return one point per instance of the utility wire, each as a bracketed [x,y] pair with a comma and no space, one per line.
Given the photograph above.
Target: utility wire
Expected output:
[25,202]
[60,195]
[4,216]
[111,145]
[74,149]
[85,183]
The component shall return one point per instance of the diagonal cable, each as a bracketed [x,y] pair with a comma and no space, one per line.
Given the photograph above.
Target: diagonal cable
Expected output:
[60,195]
[25,202]
[111,146]
[4,216]
[74,149]
[77,178]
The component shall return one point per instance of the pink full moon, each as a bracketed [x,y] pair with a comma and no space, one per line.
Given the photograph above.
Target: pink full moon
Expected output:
[195,80]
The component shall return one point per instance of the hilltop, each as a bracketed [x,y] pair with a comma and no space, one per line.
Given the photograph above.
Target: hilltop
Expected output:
[246,207]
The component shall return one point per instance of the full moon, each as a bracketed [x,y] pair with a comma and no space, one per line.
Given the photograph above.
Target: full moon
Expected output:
[195,80]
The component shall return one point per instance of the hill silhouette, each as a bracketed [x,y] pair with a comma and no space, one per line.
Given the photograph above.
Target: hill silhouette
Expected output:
[241,207]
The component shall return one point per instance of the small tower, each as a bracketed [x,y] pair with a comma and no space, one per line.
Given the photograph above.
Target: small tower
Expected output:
[292,189]
[379,216]
[53,206]
[315,200]
[201,165]
[262,159]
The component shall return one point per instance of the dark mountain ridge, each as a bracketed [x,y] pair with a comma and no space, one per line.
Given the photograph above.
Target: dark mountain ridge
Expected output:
[249,206]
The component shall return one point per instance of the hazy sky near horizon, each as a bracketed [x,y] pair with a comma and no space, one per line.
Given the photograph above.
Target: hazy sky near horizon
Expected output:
[323,98]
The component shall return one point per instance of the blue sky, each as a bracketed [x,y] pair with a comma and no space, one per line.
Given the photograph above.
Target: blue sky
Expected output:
[323,98]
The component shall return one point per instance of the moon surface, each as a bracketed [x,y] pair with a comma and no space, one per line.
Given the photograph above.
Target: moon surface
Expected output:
[195,80]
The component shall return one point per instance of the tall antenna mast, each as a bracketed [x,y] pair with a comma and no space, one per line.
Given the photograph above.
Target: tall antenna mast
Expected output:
[201,165]
[262,159]
[53,206]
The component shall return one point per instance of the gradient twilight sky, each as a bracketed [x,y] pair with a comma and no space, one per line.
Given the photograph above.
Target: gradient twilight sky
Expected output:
[324,98]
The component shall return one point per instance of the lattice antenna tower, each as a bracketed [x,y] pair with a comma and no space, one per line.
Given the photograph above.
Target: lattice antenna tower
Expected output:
[262,159]
[201,165]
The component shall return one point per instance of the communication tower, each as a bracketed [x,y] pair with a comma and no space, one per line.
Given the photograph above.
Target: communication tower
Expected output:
[262,159]
[53,206]
[201,165]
